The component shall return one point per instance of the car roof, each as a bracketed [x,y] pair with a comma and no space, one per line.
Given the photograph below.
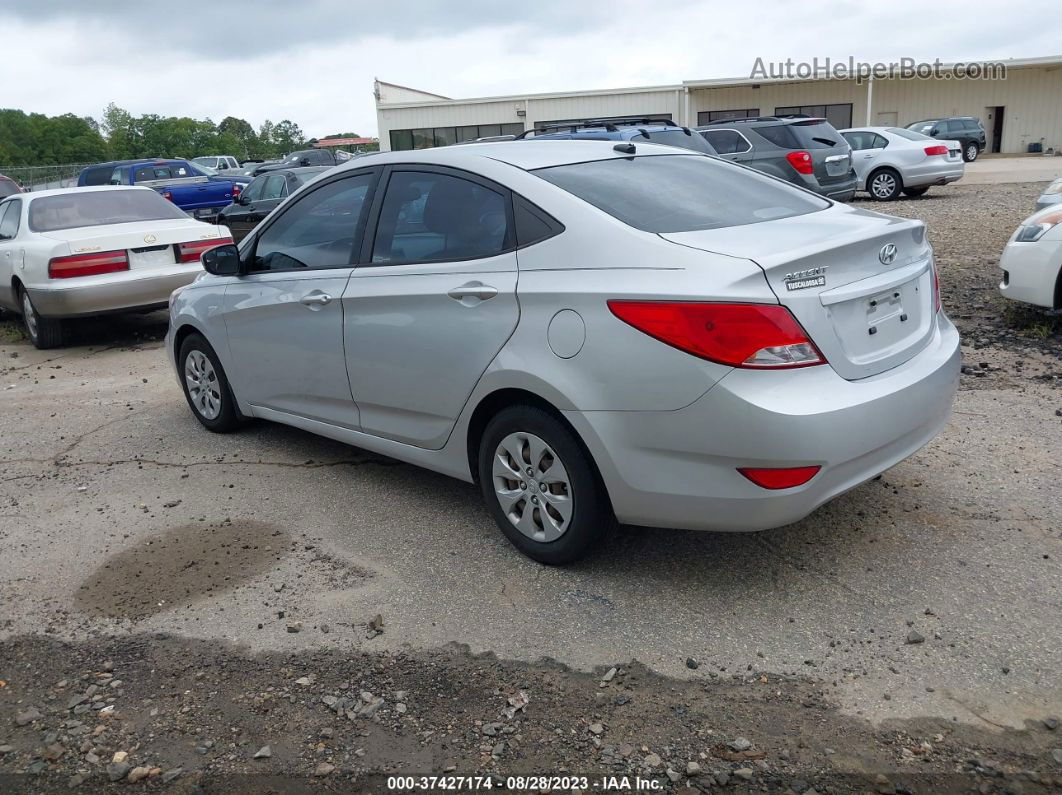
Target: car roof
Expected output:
[527,154]
[37,194]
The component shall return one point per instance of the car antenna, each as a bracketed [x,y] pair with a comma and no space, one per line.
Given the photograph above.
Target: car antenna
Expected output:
[625,148]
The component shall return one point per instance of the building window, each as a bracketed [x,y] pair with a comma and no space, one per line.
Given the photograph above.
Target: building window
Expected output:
[708,116]
[428,137]
[840,115]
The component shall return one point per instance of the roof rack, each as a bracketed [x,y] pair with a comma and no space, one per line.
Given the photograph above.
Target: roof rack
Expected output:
[609,125]
[779,117]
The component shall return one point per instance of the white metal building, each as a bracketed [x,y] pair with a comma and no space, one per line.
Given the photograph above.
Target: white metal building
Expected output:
[1023,109]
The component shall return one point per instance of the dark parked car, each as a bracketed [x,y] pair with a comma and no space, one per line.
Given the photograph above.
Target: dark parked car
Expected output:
[8,187]
[803,150]
[304,157]
[657,131]
[967,130]
[260,198]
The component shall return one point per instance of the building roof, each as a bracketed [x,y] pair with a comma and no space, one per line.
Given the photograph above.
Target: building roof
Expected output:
[720,82]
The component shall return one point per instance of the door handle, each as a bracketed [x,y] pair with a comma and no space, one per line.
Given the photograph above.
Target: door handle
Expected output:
[316,298]
[477,290]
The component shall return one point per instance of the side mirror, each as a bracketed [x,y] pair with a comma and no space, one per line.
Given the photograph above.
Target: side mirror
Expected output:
[241,199]
[222,260]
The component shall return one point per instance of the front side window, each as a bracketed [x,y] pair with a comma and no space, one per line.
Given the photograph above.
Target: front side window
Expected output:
[253,192]
[275,187]
[680,193]
[10,213]
[428,217]
[317,231]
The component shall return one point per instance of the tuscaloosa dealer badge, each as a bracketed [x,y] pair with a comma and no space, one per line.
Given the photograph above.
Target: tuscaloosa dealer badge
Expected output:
[801,280]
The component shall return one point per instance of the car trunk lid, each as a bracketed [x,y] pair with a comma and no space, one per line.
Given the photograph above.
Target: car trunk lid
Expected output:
[861,284]
[150,244]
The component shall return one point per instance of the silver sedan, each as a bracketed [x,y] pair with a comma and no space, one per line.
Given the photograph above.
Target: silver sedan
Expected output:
[1051,196]
[590,331]
[890,161]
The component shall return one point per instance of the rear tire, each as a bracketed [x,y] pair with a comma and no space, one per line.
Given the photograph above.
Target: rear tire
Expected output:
[206,388]
[970,152]
[44,332]
[541,486]
[884,185]
[915,192]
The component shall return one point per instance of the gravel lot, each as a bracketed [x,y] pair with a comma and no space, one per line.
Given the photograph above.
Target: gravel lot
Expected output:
[186,599]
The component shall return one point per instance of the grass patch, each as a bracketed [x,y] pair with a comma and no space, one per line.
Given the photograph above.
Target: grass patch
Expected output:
[11,330]
[1032,321]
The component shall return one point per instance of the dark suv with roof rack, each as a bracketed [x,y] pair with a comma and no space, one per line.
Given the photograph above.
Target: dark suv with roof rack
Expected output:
[633,129]
[967,130]
[803,150]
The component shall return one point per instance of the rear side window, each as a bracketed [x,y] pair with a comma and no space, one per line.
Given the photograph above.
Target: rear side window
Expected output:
[9,218]
[532,224]
[8,187]
[780,135]
[727,142]
[100,175]
[98,208]
[430,217]
[679,193]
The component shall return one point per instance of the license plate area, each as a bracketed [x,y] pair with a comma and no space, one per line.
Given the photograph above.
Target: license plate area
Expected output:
[884,307]
[151,257]
[877,326]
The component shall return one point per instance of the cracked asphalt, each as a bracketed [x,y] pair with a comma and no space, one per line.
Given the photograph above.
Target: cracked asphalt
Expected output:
[120,515]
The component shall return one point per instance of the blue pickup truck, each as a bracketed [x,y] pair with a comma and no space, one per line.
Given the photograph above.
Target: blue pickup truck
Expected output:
[195,192]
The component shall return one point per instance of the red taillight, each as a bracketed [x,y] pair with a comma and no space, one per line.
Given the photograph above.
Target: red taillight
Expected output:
[167,195]
[237,189]
[739,335]
[88,264]
[801,161]
[779,478]
[936,150]
[191,252]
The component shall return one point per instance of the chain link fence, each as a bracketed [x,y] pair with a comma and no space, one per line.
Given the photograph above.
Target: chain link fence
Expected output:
[44,177]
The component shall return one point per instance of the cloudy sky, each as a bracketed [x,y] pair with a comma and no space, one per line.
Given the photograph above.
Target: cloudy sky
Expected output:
[314,61]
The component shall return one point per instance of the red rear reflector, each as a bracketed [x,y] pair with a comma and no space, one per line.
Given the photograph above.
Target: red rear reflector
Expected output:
[936,150]
[88,264]
[739,335]
[191,252]
[779,478]
[801,161]
[936,290]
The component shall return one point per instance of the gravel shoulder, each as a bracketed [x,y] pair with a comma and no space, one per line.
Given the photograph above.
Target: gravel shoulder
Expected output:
[214,572]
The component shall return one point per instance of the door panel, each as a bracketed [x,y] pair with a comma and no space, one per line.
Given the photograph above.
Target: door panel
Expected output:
[414,352]
[286,354]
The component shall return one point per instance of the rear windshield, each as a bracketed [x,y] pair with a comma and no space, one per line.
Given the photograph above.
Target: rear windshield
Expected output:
[910,135]
[302,177]
[816,135]
[922,126]
[680,193]
[98,207]
[679,138]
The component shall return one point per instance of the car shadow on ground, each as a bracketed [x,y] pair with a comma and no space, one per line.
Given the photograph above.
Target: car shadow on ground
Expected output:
[108,331]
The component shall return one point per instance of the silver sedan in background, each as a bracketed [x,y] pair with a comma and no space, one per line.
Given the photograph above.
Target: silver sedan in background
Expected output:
[1051,196]
[590,330]
[890,161]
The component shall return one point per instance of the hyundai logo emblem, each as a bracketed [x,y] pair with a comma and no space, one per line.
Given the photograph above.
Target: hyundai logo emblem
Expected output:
[887,255]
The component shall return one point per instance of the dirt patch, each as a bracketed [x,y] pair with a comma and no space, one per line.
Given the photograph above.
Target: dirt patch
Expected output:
[213,719]
[179,567]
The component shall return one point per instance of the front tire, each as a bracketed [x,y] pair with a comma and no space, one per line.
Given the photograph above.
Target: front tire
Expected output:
[44,332]
[541,486]
[206,387]
[915,192]
[970,152]
[884,185]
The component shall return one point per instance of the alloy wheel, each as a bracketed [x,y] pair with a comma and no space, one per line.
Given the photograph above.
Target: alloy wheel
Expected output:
[883,185]
[203,386]
[532,487]
[971,152]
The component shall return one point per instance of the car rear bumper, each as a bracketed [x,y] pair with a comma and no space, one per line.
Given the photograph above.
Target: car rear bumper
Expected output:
[1030,271]
[839,190]
[122,292]
[940,174]
[679,468]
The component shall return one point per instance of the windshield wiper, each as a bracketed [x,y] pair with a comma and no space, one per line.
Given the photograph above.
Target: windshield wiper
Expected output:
[826,141]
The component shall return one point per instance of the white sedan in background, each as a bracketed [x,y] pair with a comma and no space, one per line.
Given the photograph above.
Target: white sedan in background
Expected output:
[1032,260]
[890,161]
[91,251]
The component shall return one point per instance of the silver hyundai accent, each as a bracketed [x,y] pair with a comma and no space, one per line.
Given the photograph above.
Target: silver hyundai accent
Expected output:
[591,331]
